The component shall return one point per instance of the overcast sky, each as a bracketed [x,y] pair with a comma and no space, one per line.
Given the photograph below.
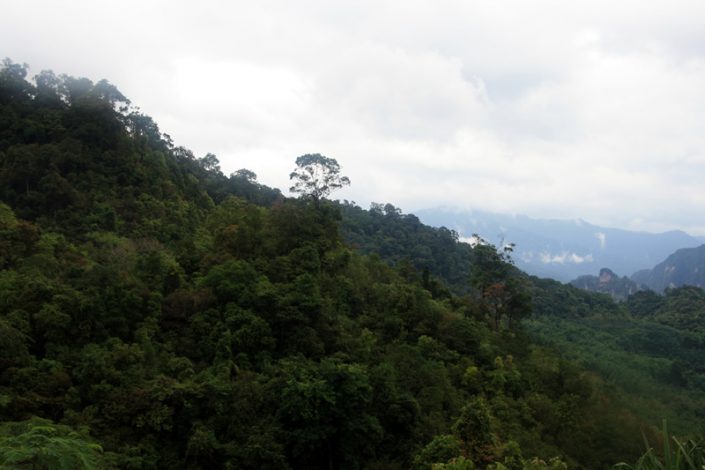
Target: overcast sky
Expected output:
[592,110]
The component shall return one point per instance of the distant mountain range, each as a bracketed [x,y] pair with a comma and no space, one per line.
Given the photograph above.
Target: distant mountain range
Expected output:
[608,282]
[565,249]
[684,267]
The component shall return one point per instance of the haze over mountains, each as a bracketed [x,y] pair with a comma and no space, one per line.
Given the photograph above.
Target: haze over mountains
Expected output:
[607,282]
[684,267]
[156,313]
[564,249]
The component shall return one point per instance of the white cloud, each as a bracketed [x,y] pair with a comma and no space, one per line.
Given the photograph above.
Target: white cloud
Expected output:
[545,108]
[472,240]
[565,258]
[602,238]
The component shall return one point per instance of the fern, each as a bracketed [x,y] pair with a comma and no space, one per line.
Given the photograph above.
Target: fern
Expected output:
[41,444]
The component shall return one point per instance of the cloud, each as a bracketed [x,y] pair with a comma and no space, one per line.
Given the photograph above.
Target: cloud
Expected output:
[544,108]
[472,240]
[565,258]
[602,238]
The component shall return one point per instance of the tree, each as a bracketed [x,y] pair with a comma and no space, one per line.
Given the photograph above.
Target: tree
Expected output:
[245,175]
[210,163]
[13,84]
[316,177]
[501,287]
[39,443]
[474,428]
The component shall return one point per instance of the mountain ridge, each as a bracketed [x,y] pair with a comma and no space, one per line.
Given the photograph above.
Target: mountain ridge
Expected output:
[179,318]
[685,266]
[563,249]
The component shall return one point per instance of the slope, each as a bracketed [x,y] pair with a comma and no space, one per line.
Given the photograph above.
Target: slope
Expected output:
[684,267]
[145,307]
[564,249]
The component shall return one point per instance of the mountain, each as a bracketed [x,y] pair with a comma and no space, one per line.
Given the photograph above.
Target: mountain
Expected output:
[397,238]
[685,267]
[563,249]
[620,288]
[155,313]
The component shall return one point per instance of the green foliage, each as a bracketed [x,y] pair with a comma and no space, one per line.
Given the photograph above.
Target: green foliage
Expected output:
[503,291]
[460,463]
[193,320]
[441,449]
[41,444]
[650,347]
[553,464]
[683,308]
[317,176]
[474,429]
[552,299]
[676,455]
[395,237]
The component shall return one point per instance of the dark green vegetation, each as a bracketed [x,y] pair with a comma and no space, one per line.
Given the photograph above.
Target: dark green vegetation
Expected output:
[647,354]
[155,313]
[649,350]
[676,454]
[401,238]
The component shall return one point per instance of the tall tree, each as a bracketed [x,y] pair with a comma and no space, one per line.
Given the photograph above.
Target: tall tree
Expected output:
[316,177]
[500,286]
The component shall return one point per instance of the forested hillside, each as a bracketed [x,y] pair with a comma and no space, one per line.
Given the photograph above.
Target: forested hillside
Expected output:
[647,350]
[398,238]
[155,313]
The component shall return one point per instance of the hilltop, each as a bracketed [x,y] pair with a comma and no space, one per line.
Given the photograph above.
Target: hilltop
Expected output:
[156,313]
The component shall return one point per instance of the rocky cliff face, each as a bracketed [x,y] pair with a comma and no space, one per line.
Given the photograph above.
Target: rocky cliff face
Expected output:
[607,282]
[685,267]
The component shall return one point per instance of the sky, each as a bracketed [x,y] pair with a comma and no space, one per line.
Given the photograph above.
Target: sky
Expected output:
[553,109]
